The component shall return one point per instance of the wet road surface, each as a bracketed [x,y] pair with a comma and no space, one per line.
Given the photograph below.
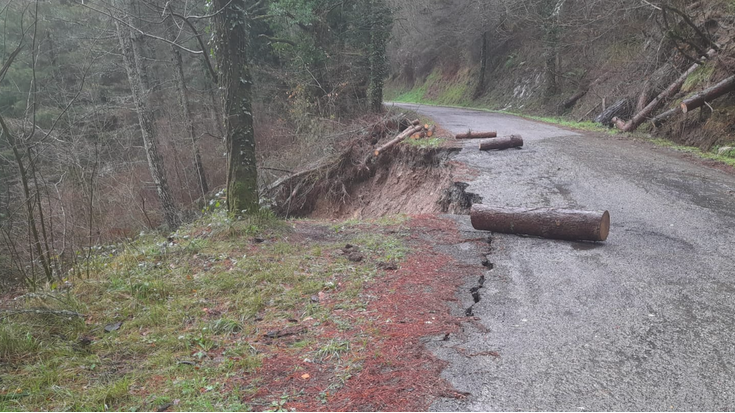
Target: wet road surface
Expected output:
[644,321]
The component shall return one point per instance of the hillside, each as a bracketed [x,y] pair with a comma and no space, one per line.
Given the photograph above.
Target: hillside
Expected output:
[531,57]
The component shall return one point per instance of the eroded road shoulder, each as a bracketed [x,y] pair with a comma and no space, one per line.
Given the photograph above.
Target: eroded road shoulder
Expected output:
[640,322]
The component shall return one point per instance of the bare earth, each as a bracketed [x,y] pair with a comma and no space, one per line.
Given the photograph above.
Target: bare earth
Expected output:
[641,322]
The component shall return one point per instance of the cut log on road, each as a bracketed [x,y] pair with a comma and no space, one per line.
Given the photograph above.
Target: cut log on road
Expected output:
[639,117]
[476,135]
[505,142]
[543,222]
[708,95]
[403,135]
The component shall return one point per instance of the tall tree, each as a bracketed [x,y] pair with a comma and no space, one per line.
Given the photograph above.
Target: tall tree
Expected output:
[183,94]
[135,69]
[380,27]
[232,40]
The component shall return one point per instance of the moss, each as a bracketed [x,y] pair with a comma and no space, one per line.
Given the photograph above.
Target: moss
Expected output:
[699,77]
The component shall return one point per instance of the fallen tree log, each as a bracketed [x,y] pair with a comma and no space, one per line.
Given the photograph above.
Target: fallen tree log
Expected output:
[644,96]
[401,136]
[639,117]
[505,142]
[660,119]
[563,224]
[708,95]
[476,135]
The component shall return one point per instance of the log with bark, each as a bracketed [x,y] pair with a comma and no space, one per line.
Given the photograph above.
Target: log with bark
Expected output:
[641,116]
[661,118]
[505,142]
[644,96]
[708,95]
[563,224]
[476,135]
[401,136]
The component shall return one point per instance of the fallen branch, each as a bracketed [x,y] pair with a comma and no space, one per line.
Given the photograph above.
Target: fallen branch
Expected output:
[401,136]
[543,222]
[665,116]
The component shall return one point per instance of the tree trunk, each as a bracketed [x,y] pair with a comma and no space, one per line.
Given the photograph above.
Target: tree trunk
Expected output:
[232,33]
[644,96]
[665,116]
[402,136]
[380,22]
[476,135]
[543,222]
[639,117]
[512,141]
[183,93]
[708,95]
[35,240]
[145,118]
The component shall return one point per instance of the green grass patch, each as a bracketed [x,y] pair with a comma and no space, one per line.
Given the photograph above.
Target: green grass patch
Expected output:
[713,155]
[425,143]
[586,125]
[181,318]
[701,75]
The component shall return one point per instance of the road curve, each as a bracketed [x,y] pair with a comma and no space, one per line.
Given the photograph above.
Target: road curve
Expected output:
[644,321]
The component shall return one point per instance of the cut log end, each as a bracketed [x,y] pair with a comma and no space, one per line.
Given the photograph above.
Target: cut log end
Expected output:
[604,230]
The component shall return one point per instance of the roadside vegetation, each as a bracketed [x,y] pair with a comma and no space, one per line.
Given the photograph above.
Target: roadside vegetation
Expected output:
[202,320]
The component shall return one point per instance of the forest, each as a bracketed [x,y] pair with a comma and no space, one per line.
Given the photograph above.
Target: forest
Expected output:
[114,112]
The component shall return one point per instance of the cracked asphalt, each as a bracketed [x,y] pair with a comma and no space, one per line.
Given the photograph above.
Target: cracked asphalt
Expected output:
[644,321]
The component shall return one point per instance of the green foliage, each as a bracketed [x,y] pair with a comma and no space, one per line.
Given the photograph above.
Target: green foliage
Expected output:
[700,76]
[334,50]
[16,342]
[713,154]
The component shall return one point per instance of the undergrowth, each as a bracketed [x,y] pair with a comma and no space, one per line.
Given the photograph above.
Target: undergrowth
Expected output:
[186,321]
[712,155]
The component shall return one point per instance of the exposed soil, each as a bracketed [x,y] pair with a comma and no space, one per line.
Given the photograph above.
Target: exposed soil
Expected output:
[394,371]
[407,179]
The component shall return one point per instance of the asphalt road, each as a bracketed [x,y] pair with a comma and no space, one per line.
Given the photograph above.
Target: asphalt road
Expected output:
[644,321]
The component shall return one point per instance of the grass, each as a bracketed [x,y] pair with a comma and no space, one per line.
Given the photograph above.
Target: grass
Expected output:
[586,125]
[701,75]
[192,309]
[713,155]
